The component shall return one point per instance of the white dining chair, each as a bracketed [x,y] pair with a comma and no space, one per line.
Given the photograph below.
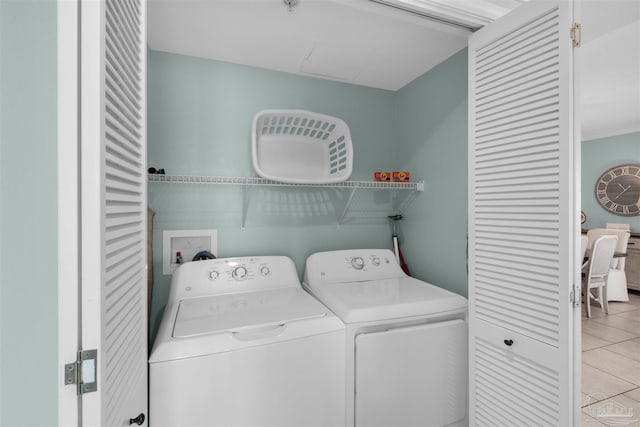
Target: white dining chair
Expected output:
[617,284]
[584,242]
[598,270]
[619,226]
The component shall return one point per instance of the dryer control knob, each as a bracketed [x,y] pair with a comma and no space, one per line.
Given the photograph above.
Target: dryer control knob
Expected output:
[265,271]
[213,275]
[357,263]
[375,260]
[239,273]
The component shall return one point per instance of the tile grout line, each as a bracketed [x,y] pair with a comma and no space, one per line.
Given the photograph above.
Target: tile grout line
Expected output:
[612,327]
[611,397]
[609,373]
[610,343]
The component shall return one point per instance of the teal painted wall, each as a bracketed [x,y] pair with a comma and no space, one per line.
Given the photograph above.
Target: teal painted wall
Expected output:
[598,155]
[431,122]
[199,120]
[200,113]
[28,221]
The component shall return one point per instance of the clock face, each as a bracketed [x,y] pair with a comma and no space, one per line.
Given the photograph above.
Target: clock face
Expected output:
[618,190]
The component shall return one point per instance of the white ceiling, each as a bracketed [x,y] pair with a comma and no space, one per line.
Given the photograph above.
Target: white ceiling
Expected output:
[365,43]
[355,41]
[609,69]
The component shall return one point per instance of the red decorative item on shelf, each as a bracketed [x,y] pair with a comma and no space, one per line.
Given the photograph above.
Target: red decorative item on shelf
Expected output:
[400,176]
[382,176]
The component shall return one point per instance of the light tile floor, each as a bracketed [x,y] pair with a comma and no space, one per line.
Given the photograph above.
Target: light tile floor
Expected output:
[611,365]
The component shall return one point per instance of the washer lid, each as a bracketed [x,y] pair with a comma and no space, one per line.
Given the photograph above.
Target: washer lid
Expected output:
[386,299]
[243,311]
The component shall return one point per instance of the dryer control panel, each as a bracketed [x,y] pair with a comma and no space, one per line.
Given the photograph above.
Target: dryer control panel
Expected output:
[232,275]
[351,265]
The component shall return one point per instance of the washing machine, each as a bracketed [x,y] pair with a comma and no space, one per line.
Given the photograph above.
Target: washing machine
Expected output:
[406,340]
[242,344]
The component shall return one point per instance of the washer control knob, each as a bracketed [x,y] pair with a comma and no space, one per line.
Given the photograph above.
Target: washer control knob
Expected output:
[375,260]
[239,273]
[265,271]
[213,275]
[357,263]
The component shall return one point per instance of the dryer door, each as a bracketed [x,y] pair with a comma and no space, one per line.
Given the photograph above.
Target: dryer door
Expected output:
[412,376]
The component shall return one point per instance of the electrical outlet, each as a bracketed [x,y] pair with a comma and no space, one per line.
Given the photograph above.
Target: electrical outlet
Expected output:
[180,246]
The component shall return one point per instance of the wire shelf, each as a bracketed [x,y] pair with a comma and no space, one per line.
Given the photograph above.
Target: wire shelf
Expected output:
[255,181]
[253,187]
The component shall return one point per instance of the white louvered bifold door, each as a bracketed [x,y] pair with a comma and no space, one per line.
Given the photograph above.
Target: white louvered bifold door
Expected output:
[522,219]
[114,206]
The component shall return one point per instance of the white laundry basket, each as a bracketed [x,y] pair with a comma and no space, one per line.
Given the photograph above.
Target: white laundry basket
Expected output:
[301,147]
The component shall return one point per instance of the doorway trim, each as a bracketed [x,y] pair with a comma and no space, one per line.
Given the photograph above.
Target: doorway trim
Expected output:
[68,206]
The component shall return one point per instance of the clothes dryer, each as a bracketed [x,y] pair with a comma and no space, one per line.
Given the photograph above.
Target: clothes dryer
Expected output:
[406,340]
[241,343]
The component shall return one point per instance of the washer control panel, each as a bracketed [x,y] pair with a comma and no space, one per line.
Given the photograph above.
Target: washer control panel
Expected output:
[229,275]
[350,266]
[369,261]
[239,269]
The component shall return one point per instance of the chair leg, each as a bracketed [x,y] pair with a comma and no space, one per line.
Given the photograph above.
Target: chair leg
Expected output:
[605,301]
[588,302]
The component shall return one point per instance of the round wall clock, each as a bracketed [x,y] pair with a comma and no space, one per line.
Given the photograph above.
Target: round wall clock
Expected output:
[618,190]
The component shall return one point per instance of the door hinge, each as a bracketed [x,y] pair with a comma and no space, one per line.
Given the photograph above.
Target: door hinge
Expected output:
[576,34]
[575,295]
[83,372]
